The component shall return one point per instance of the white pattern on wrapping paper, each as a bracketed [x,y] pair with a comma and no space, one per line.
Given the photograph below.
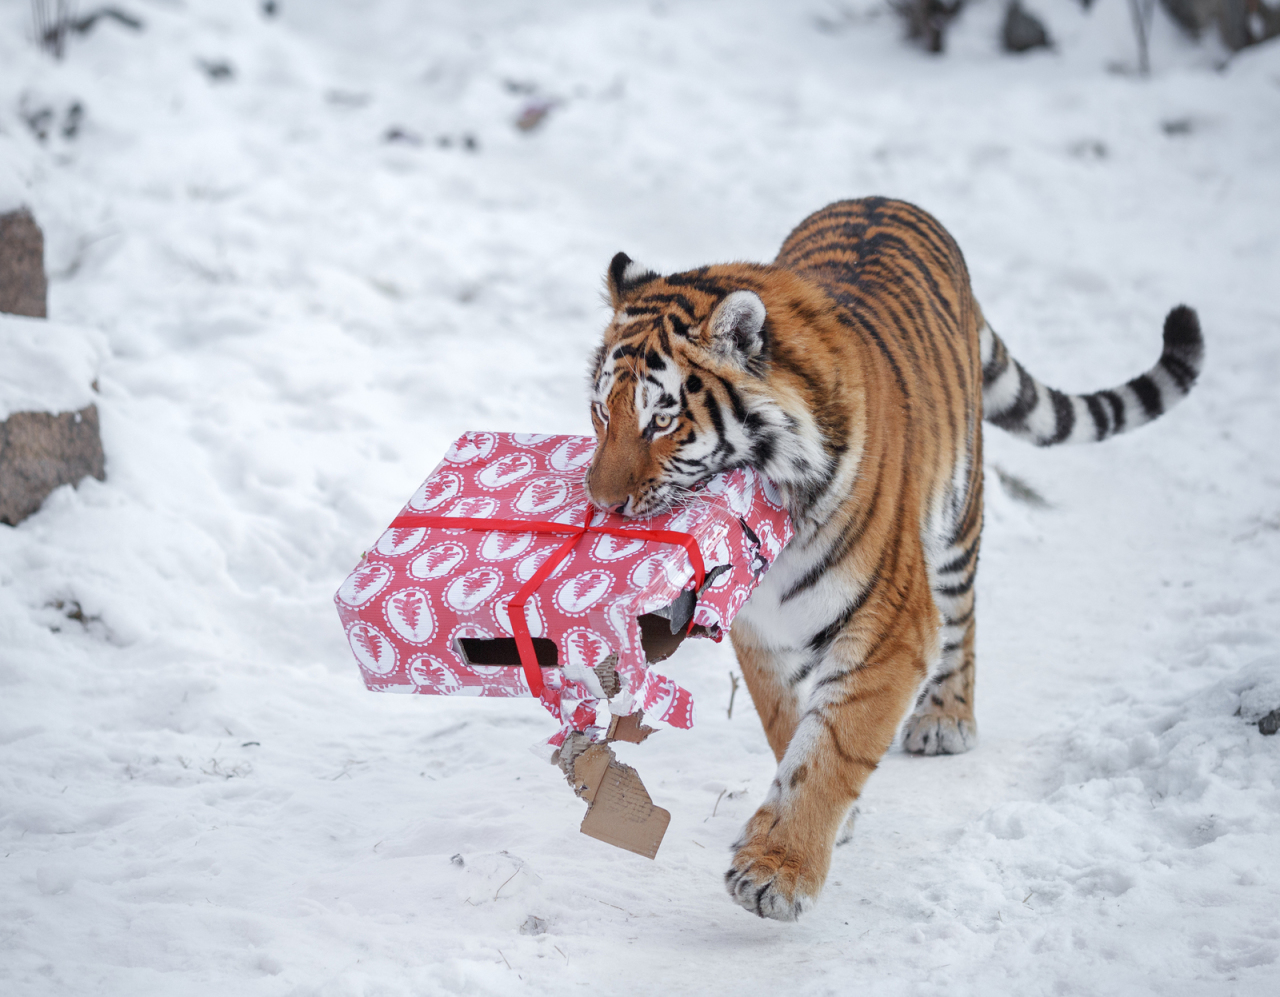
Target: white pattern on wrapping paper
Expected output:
[498,546]
[542,495]
[472,590]
[471,446]
[506,470]
[372,648]
[437,561]
[611,548]
[529,566]
[532,615]
[574,515]
[435,491]
[721,554]
[770,492]
[408,612]
[398,541]
[364,583]
[583,591]
[432,673]
[531,439]
[583,649]
[686,520]
[647,570]
[736,489]
[473,507]
[573,454]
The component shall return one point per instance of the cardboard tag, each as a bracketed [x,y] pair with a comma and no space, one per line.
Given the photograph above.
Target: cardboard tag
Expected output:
[623,815]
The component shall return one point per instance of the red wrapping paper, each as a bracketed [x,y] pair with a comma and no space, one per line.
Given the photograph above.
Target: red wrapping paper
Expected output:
[420,588]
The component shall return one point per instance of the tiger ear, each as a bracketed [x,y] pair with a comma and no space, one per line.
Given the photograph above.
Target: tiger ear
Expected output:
[737,328]
[625,275]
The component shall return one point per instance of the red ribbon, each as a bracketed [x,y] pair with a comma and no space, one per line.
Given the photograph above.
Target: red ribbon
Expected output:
[515,608]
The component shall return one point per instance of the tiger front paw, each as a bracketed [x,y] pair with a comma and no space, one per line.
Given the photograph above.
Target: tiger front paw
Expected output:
[770,875]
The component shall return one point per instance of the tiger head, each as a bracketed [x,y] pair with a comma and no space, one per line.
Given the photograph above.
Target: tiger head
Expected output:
[686,384]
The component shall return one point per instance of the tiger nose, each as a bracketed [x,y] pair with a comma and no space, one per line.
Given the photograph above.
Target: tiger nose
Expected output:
[606,490]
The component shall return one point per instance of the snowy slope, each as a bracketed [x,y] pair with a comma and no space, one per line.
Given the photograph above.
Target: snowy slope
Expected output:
[196,794]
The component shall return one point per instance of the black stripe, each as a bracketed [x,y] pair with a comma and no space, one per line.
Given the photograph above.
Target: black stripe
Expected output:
[1099,416]
[1149,394]
[717,420]
[763,449]
[1117,409]
[952,591]
[959,562]
[848,539]
[804,671]
[739,410]
[669,299]
[997,365]
[1015,415]
[1064,414]
[820,641]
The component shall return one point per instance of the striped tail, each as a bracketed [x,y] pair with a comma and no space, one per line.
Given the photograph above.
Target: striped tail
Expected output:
[1017,402]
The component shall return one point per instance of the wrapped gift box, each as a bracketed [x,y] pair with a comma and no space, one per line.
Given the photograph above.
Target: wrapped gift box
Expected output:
[503,519]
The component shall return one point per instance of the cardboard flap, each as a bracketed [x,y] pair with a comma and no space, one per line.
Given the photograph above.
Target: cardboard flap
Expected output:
[630,728]
[589,769]
[623,815]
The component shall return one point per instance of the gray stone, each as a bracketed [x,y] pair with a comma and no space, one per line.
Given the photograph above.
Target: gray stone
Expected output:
[1022,30]
[39,452]
[23,289]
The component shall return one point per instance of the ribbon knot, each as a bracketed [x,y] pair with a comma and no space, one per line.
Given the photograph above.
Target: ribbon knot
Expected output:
[515,608]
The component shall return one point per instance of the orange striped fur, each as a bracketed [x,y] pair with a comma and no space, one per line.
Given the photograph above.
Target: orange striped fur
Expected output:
[853,371]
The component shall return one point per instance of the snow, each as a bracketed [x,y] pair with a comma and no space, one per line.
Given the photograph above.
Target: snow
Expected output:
[47,366]
[196,793]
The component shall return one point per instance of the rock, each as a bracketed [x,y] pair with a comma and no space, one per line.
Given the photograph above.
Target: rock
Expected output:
[23,288]
[39,452]
[48,415]
[1022,30]
[1269,724]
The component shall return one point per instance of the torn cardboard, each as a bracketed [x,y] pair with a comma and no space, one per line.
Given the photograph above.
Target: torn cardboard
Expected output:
[620,811]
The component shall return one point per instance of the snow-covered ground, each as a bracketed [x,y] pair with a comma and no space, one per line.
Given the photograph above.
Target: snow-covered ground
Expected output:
[197,796]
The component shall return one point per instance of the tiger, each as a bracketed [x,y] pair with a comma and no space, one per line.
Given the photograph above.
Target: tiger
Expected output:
[855,372]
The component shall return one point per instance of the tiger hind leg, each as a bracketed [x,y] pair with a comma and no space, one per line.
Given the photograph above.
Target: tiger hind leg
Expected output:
[943,723]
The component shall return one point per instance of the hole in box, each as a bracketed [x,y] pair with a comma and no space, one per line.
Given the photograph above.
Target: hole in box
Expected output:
[656,638]
[503,651]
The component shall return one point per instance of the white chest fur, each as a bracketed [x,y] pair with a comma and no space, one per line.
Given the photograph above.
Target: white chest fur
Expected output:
[777,622]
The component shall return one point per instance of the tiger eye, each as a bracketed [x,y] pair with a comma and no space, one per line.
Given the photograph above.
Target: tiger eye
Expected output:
[663,421]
